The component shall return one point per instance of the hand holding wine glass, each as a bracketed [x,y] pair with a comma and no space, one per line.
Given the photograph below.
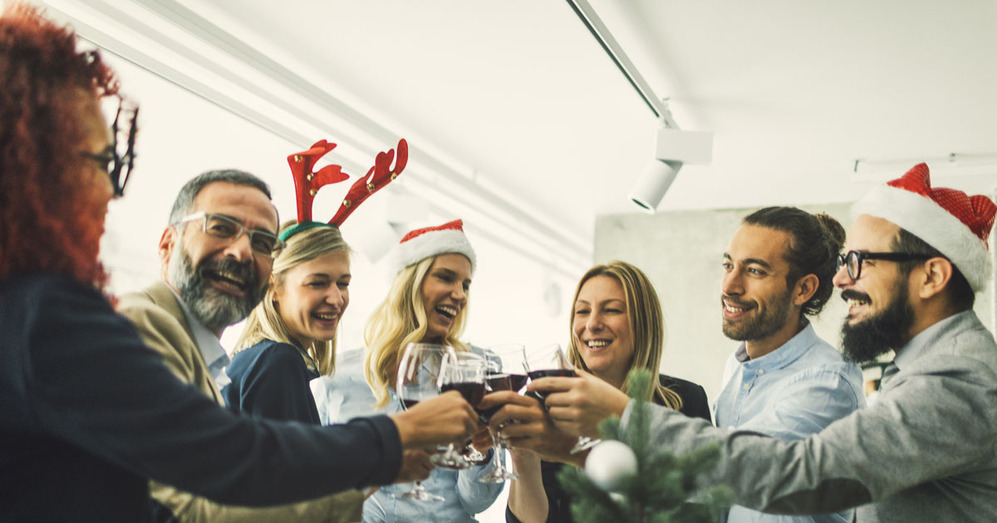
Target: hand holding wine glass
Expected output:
[429,419]
[463,372]
[550,361]
[502,376]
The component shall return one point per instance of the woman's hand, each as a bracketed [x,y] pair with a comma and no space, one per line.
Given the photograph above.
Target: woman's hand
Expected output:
[577,405]
[525,425]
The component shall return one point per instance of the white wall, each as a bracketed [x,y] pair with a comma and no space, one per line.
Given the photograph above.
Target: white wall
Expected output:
[513,298]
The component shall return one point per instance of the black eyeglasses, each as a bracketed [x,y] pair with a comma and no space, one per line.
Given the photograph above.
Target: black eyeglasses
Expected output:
[226,228]
[119,157]
[852,260]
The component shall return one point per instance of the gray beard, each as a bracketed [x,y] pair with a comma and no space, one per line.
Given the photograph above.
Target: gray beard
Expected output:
[214,309]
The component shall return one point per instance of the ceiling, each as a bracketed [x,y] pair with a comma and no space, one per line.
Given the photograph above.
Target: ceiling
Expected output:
[513,110]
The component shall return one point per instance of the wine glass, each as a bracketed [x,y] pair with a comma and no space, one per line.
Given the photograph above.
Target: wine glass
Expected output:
[418,373]
[464,372]
[502,360]
[550,361]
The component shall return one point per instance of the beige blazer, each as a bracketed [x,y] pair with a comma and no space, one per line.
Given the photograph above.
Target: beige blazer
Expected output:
[162,325]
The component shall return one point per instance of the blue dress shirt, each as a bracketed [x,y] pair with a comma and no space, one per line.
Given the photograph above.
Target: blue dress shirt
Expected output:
[789,393]
[211,348]
[346,395]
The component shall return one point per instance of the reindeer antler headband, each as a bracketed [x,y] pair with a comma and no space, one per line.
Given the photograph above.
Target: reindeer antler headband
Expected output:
[308,182]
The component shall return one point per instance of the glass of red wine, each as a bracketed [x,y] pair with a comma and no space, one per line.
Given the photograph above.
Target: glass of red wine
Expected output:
[464,372]
[418,376]
[550,361]
[503,361]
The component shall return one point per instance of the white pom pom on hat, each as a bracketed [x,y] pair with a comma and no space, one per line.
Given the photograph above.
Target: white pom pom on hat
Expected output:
[949,220]
[423,243]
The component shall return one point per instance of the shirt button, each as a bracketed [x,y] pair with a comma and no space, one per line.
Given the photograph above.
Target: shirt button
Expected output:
[746,386]
[761,371]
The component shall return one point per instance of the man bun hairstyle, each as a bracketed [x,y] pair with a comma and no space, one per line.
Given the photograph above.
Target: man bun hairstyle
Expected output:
[814,243]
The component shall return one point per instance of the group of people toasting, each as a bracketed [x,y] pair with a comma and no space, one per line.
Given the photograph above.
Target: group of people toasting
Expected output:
[129,409]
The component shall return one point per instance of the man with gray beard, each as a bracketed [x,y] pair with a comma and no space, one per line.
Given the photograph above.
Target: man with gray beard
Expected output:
[216,263]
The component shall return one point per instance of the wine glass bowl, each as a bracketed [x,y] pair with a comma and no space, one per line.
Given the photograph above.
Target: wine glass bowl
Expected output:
[503,360]
[464,372]
[417,380]
[550,361]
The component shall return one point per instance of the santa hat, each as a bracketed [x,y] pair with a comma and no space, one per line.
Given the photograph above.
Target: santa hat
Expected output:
[420,244]
[949,220]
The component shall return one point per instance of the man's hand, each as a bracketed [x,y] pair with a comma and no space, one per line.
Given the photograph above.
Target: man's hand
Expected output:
[577,405]
[442,420]
[525,425]
[415,466]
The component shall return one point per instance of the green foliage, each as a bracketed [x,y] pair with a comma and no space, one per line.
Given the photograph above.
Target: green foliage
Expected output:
[665,488]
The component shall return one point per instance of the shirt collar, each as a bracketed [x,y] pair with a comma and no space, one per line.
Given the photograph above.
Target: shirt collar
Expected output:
[785,354]
[918,344]
[211,348]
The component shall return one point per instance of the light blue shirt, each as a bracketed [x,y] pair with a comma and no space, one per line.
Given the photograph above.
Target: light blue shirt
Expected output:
[346,395]
[211,349]
[789,393]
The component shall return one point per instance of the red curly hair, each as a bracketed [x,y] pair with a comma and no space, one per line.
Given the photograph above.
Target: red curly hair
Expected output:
[50,218]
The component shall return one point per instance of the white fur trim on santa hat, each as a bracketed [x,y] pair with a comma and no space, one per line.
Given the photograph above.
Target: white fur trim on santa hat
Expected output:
[431,243]
[927,220]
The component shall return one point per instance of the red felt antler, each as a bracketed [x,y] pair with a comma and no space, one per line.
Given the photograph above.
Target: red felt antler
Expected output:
[377,177]
[307,182]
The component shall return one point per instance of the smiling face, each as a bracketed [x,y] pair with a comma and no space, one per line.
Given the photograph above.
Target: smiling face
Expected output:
[871,293]
[312,296]
[444,293]
[757,303]
[602,330]
[220,280]
[880,314]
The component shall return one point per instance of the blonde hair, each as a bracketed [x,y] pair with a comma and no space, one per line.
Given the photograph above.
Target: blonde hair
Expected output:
[399,320]
[647,323]
[265,321]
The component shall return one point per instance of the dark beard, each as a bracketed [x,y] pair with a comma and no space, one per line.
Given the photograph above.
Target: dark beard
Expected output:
[866,340]
[762,326]
[215,309]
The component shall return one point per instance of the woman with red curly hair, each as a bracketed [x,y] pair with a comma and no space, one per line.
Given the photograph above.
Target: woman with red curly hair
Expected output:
[87,413]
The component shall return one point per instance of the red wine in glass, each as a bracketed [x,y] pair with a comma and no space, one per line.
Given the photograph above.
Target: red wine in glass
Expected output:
[518,381]
[472,391]
[548,373]
[408,404]
[494,383]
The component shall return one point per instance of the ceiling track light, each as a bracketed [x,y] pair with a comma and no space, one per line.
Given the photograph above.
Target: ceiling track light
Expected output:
[673,147]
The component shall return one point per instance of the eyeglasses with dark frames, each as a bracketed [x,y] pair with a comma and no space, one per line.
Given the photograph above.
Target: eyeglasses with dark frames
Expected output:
[225,228]
[119,157]
[852,260]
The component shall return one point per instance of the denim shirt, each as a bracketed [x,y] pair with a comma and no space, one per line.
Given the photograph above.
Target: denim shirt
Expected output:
[346,395]
[789,393]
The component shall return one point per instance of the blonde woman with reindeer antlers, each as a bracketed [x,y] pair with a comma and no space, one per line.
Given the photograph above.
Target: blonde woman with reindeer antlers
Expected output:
[290,337]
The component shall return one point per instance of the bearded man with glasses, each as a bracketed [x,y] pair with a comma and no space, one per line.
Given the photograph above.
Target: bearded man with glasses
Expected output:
[926,450]
[216,256]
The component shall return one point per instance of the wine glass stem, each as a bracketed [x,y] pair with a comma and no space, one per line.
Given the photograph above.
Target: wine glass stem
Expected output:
[498,453]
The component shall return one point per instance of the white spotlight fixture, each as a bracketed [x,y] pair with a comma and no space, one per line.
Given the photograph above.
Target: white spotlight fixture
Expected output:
[673,148]
[653,183]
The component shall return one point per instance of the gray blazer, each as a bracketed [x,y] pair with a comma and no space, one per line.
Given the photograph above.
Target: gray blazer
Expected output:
[925,451]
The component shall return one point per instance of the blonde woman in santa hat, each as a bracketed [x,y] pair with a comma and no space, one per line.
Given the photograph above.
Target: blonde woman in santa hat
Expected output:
[427,303]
